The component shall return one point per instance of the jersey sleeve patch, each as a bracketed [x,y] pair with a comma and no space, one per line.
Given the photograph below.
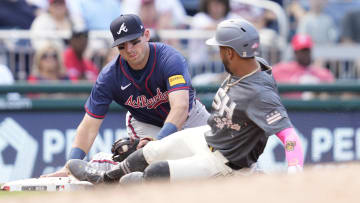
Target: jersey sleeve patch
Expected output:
[176,79]
[272,117]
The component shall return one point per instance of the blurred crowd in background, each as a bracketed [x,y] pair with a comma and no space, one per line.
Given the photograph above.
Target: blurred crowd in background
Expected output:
[77,55]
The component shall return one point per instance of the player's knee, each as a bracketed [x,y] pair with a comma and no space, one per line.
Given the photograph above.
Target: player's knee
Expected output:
[152,151]
[158,150]
[158,170]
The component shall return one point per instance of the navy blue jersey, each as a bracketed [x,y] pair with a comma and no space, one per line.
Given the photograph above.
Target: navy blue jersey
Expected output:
[147,97]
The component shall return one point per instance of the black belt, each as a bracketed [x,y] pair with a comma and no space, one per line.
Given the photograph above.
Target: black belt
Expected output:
[231,165]
[211,148]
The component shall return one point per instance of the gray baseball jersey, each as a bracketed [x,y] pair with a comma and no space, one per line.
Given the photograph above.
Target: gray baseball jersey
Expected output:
[245,116]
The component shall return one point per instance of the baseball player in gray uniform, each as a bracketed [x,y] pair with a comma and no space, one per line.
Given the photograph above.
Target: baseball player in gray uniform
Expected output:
[246,110]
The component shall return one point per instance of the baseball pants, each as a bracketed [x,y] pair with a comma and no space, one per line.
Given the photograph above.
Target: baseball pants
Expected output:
[197,117]
[188,155]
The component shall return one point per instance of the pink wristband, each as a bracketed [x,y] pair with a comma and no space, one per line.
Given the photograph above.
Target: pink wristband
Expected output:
[292,144]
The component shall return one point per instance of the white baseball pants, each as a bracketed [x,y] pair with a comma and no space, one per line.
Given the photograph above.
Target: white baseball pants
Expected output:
[188,155]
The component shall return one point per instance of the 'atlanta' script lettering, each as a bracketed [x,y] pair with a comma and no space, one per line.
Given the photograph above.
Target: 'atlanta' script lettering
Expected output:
[143,102]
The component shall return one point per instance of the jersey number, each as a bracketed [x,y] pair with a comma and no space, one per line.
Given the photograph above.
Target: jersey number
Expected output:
[220,102]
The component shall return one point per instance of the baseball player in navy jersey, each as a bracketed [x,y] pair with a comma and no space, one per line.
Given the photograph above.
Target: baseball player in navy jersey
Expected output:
[246,110]
[151,80]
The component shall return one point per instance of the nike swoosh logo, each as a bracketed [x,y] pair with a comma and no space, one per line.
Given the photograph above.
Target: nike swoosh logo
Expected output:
[124,87]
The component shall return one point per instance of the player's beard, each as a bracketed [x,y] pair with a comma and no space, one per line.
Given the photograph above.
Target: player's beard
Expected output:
[226,65]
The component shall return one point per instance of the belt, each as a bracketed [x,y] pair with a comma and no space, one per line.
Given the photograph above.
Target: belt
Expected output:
[211,148]
[229,163]
[233,166]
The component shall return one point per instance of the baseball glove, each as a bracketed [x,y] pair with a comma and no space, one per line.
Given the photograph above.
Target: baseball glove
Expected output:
[123,147]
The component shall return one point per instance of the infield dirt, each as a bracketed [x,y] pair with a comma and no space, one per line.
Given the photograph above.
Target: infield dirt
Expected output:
[316,184]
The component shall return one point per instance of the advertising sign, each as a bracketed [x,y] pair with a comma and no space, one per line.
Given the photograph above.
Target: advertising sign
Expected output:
[35,143]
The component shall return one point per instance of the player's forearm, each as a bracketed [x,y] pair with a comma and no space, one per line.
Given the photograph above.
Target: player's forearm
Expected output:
[173,122]
[84,138]
[293,148]
[178,115]
[86,134]
[179,108]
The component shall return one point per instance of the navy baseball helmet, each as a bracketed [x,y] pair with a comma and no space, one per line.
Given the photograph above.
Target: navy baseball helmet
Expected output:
[126,28]
[238,34]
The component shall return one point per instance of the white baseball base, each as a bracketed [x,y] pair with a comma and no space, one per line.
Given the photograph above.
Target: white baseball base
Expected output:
[50,184]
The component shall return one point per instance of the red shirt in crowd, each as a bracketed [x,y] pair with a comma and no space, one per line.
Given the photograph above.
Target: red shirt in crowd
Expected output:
[79,69]
[294,73]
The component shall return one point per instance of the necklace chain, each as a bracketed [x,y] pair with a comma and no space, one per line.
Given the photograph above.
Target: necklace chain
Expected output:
[228,84]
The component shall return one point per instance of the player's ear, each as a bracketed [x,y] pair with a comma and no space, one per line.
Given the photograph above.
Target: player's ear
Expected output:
[147,34]
[230,52]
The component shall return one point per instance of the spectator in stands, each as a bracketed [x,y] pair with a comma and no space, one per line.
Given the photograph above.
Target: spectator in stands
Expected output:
[350,35]
[296,11]
[42,5]
[6,75]
[337,9]
[211,13]
[16,14]
[319,25]
[301,70]
[154,19]
[280,2]
[48,64]
[173,9]
[265,21]
[350,27]
[75,16]
[55,19]
[110,55]
[7,78]
[78,67]
[254,14]
[97,15]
